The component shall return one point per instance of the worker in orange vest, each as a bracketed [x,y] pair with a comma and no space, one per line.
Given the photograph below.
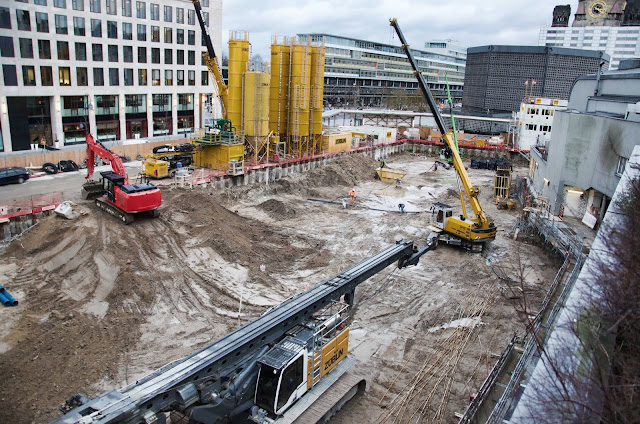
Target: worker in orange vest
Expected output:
[352,196]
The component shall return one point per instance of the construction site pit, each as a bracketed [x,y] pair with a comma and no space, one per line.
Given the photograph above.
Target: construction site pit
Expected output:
[103,304]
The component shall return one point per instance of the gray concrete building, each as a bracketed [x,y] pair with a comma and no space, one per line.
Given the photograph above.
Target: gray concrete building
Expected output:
[498,78]
[580,167]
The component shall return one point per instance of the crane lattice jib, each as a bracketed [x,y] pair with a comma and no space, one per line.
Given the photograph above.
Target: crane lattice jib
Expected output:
[95,147]
[211,59]
[471,191]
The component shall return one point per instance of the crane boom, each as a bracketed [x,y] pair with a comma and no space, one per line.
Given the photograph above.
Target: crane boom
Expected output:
[218,382]
[211,59]
[469,189]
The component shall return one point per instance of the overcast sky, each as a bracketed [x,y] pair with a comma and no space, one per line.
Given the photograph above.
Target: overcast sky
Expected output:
[471,22]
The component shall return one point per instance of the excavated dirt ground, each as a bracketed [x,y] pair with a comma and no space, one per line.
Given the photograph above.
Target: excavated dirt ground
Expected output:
[102,304]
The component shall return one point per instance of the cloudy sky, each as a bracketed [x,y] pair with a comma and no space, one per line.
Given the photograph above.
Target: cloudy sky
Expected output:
[471,22]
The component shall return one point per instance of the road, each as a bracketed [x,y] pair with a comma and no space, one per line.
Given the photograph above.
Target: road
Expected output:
[67,183]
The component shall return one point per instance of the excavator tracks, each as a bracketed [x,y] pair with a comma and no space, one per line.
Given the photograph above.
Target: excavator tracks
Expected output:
[103,204]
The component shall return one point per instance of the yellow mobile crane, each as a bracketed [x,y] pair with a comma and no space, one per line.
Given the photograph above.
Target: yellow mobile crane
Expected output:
[470,233]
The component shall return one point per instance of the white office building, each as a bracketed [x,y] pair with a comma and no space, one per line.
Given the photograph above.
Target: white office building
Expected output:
[619,42]
[124,69]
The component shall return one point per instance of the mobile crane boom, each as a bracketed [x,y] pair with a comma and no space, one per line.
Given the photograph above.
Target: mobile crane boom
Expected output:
[211,59]
[219,381]
[475,231]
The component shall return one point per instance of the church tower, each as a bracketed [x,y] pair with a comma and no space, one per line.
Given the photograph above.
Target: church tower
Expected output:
[599,13]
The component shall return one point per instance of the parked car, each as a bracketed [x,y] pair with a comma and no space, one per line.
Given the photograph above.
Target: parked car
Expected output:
[13,175]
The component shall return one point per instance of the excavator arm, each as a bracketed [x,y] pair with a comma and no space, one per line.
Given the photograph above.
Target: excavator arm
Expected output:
[95,147]
[469,189]
[211,59]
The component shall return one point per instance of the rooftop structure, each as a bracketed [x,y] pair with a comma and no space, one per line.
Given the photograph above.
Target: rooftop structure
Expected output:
[367,73]
[126,70]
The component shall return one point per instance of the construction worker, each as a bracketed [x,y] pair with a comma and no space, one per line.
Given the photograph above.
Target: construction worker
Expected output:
[401,207]
[352,196]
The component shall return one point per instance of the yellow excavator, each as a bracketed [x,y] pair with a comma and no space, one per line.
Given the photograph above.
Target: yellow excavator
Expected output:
[469,232]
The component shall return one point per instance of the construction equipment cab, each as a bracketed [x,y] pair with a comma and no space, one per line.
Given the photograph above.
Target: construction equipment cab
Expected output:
[114,193]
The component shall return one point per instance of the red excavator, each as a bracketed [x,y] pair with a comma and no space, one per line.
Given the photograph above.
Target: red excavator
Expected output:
[114,193]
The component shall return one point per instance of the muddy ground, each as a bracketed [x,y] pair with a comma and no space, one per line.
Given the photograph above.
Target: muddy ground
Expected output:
[102,304]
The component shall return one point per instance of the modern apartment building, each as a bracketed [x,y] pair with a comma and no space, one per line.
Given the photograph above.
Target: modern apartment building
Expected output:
[366,73]
[611,26]
[121,69]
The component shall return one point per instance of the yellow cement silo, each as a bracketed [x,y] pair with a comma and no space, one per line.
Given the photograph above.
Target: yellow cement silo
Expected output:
[238,64]
[316,92]
[256,104]
[279,90]
[300,79]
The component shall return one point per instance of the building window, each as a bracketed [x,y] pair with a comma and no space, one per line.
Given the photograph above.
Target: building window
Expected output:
[205,3]
[94,6]
[206,18]
[191,39]
[77,5]
[142,77]
[161,102]
[42,22]
[78,26]
[64,76]
[82,77]
[142,32]
[155,33]
[620,167]
[6,47]
[168,77]
[112,29]
[179,15]
[114,78]
[192,57]
[111,7]
[81,51]
[155,55]
[192,77]
[96,28]
[23,19]
[168,56]
[26,48]
[96,52]
[44,49]
[168,14]
[113,53]
[154,11]
[128,76]
[60,3]
[191,17]
[28,75]
[127,31]
[61,24]
[205,78]
[155,77]
[63,50]
[5,18]
[168,35]
[141,10]
[180,36]
[127,54]
[98,76]
[10,75]
[142,55]
[126,8]
[180,57]
[180,77]
[46,76]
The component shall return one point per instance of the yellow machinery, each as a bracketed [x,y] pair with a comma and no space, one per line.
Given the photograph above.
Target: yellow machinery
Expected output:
[238,65]
[470,233]
[155,168]
[255,113]
[316,90]
[300,80]
[279,87]
[166,158]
